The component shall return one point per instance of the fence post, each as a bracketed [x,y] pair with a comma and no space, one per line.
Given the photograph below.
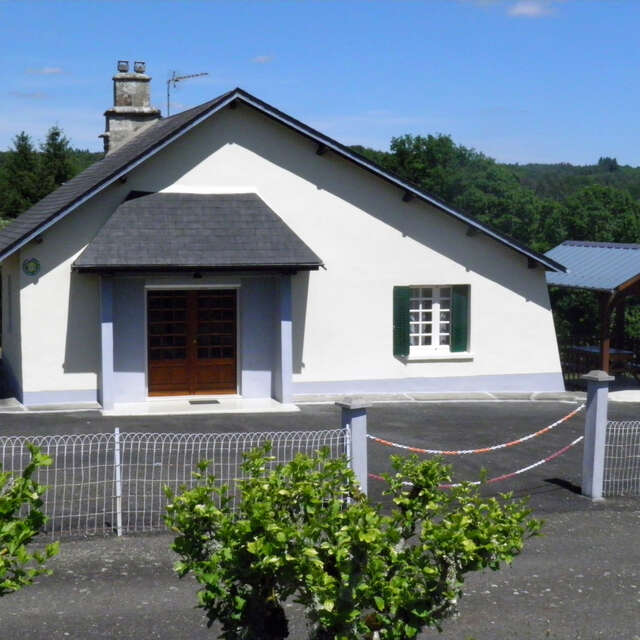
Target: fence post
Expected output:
[595,429]
[117,474]
[354,420]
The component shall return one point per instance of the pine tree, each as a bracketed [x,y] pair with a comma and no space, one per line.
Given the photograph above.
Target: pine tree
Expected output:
[56,163]
[20,188]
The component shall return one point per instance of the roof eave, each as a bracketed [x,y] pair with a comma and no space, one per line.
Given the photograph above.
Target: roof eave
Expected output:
[337,147]
[224,100]
[240,94]
[104,268]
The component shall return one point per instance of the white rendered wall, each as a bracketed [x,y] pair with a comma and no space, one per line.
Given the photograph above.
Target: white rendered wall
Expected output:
[370,241]
[59,309]
[368,237]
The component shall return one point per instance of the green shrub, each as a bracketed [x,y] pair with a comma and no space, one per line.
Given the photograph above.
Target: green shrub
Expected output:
[20,521]
[305,530]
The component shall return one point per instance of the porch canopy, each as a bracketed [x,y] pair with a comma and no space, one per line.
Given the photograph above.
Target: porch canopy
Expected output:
[196,232]
[174,233]
[609,268]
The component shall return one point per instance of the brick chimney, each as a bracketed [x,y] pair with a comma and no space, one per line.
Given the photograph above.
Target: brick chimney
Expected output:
[132,110]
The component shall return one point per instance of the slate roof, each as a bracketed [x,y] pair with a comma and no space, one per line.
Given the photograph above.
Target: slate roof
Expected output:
[98,174]
[146,143]
[601,266]
[187,231]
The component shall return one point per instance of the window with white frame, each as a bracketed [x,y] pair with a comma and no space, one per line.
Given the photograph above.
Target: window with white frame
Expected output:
[429,319]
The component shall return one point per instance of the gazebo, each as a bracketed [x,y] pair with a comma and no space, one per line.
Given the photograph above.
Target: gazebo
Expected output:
[612,270]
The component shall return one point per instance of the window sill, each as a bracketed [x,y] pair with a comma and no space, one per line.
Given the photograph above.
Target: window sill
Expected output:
[446,356]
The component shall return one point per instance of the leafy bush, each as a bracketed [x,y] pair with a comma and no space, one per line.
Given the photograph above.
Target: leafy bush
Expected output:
[305,530]
[19,526]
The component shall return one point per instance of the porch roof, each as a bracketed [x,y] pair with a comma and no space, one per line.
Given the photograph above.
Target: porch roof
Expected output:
[165,231]
[600,266]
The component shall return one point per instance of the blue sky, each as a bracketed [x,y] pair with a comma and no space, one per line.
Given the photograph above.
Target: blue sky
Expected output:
[520,80]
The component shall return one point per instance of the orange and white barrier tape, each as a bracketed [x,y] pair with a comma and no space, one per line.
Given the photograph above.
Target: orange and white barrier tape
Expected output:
[462,452]
[505,476]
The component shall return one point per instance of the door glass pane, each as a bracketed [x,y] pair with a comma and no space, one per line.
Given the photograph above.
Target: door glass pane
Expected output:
[167,327]
[215,325]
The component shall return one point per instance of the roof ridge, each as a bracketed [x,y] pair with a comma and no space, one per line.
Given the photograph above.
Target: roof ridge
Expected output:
[601,245]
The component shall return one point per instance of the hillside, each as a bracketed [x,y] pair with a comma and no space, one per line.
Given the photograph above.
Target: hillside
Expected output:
[561,180]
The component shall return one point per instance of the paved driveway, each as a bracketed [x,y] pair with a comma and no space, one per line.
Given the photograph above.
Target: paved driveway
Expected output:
[580,581]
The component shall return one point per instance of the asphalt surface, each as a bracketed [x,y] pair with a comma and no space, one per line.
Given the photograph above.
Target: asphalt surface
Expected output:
[581,580]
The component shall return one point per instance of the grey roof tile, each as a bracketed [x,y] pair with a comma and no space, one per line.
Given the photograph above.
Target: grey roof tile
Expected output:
[185,230]
[99,173]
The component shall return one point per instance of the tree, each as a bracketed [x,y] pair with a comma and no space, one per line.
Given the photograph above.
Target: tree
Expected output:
[27,175]
[603,214]
[305,530]
[19,188]
[608,164]
[56,161]
[21,519]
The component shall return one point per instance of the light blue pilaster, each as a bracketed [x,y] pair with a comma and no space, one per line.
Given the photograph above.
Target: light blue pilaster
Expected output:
[284,365]
[106,343]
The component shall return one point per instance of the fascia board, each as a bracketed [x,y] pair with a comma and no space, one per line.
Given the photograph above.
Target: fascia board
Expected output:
[129,167]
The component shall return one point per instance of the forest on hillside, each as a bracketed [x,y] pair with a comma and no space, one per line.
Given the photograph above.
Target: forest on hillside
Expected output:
[539,205]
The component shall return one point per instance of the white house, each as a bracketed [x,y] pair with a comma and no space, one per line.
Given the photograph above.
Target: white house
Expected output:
[231,249]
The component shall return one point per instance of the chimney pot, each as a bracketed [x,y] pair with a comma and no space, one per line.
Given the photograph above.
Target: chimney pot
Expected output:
[123,66]
[139,67]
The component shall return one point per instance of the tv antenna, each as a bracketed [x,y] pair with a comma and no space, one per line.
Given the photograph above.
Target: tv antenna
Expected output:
[174,79]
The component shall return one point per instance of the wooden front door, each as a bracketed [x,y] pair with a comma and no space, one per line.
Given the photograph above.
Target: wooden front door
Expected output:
[191,342]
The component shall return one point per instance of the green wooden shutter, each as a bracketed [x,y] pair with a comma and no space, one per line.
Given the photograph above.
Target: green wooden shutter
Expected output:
[400,321]
[460,318]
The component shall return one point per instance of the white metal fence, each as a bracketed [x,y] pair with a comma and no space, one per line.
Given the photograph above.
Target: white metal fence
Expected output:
[622,459]
[106,483]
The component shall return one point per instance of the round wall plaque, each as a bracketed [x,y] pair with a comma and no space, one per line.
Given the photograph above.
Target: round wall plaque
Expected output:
[31,267]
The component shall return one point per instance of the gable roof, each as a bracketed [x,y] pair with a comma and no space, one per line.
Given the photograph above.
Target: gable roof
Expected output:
[157,136]
[194,231]
[600,266]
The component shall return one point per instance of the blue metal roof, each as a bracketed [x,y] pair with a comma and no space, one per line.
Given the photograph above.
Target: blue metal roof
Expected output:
[602,266]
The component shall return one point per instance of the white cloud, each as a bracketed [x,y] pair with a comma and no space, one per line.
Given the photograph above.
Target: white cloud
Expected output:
[28,95]
[518,8]
[530,9]
[46,71]
[262,59]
